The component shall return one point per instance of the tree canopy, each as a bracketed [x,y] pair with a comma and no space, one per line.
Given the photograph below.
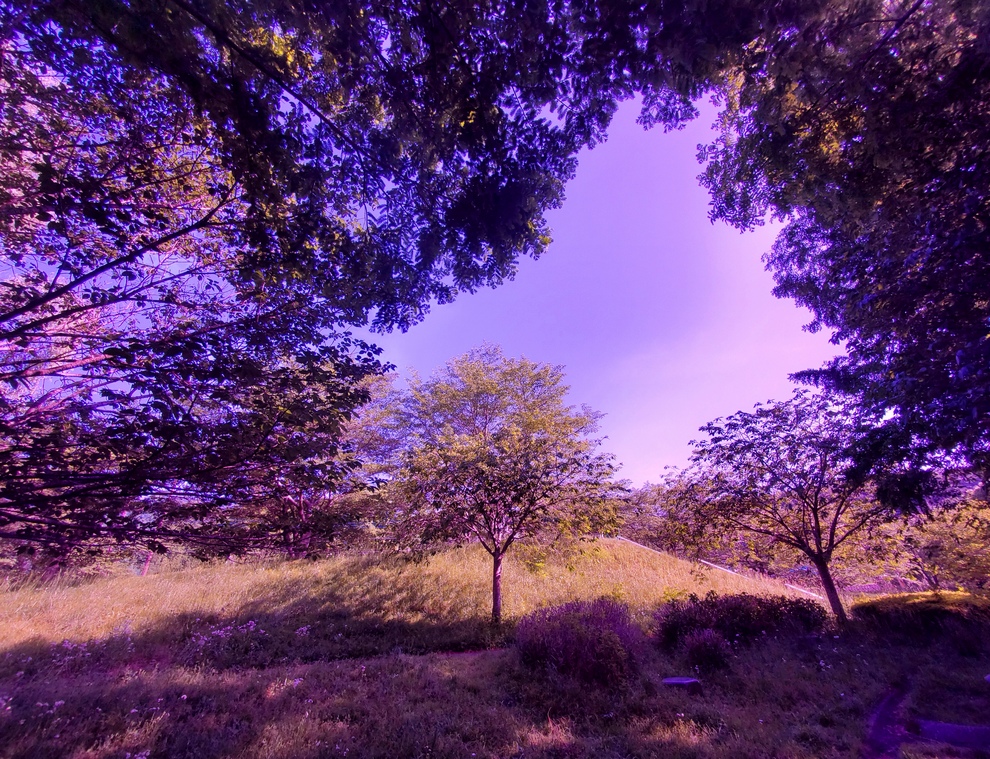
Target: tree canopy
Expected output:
[496,454]
[865,127]
[198,199]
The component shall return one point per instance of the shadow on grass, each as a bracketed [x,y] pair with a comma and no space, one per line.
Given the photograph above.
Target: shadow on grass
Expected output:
[390,706]
[286,676]
[304,624]
[482,704]
[206,685]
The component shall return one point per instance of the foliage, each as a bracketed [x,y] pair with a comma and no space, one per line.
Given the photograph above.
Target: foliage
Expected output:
[496,455]
[158,350]
[662,515]
[199,198]
[944,547]
[706,650]
[950,548]
[739,618]
[863,126]
[785,472]
[668,517]
[947,548]
[306,515]
[922,616]
[594,641]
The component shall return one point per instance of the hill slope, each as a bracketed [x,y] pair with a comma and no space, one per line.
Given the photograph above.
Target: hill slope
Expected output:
[266,662]
[355,605]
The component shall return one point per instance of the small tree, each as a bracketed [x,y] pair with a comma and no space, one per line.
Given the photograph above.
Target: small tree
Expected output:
[496,454]
[784,472]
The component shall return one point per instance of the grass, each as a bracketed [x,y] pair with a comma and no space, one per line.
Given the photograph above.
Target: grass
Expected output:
[360,658]
[353,605]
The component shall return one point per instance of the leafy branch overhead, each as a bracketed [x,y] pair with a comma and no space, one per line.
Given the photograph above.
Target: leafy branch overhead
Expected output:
[864,127]
[199,198]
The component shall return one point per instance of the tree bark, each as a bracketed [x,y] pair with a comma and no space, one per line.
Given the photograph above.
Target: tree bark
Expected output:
[497,588]
[821,564]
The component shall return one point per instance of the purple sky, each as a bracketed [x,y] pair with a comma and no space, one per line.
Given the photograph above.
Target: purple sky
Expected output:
[662,320]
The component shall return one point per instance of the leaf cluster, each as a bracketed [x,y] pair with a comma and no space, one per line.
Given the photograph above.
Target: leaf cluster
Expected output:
[496,454]
[199,198]
[864,128]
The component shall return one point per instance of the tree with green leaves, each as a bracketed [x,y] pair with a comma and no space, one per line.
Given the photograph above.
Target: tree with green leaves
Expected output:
[945,548]
[497,455]
[864,126]
[199,198]
[785,472]
[668,516]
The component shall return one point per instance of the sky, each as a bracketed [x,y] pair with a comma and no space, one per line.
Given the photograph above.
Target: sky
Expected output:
[662,320]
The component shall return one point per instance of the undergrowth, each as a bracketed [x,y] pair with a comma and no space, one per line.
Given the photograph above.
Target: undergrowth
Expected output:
[739,618]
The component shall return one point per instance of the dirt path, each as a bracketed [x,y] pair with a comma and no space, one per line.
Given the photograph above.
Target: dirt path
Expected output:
[887,733]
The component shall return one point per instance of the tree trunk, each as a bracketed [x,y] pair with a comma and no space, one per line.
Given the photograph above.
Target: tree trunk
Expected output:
[821,564]
[497,588]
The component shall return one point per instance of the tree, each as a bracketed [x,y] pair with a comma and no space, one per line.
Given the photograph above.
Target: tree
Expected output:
[785,472]
[946,548]
[865,127]
[199,198]
[950,548]
[670,517]
[496,455]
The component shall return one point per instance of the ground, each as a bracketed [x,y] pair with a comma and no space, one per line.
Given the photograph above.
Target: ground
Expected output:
[362,657]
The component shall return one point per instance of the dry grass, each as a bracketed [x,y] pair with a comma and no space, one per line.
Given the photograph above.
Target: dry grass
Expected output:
[251,661]
[451,589]
[639,576]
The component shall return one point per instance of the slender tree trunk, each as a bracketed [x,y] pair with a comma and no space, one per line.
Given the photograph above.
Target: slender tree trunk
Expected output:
[821,564]
[497,588]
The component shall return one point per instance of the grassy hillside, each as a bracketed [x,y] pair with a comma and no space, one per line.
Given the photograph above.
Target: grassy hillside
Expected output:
[323,660]
[373,606]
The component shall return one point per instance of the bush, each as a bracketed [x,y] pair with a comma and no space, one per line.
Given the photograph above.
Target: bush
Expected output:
[738,618]
[706,650]
[593,641]
[922,616]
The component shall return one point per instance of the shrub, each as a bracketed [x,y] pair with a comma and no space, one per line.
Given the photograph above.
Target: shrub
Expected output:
[739,618]
[706,650]
[921,616]
[593,641]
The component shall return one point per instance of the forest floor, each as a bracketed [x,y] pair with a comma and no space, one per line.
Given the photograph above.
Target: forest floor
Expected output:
[364,656]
